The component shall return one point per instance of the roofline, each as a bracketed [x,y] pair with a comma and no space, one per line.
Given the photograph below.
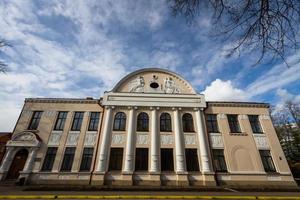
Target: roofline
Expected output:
[238,104]
[62,100]
[150,69]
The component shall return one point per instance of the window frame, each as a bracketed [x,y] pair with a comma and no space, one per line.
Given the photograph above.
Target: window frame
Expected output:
[219,160]
[188,123]
[142,159]
[166,126]
[255,124]
[165,164]
[61,121]
[212,124]
[120,121]
[267,160]
[49,159]
[233,124]
[68,159]
[114,164]
[35,120]
[77,121]
[86,159]
[192,162]
[142,124]
[94,121]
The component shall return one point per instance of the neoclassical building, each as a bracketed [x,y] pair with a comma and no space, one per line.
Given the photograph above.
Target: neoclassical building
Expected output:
[151,129]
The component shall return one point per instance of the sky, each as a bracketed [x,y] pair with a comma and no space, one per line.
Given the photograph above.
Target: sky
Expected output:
[81,48]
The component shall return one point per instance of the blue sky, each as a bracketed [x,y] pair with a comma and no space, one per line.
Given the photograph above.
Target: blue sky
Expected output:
[81,48]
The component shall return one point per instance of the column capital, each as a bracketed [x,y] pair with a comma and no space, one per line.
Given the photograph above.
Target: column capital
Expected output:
[154,108]
[176,108]
[200,109]
[109,107]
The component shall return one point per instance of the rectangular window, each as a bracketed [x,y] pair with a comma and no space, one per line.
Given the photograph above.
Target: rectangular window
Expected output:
[191,157]
[94,121]
[141,159]
[86,160]
[60,121]
[49,159]
[219,160]
[68,159]
[35,120]
[233,123]
[77,121]
[267,161]
[212,123]
[254,122]
[115,159]
[167,162]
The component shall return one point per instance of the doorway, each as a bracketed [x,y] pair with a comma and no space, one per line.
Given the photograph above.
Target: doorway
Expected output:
[17,164]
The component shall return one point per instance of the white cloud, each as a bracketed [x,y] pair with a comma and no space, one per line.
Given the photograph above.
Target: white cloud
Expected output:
[220,90]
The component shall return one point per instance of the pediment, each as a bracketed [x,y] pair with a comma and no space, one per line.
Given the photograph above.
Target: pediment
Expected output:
[25,138]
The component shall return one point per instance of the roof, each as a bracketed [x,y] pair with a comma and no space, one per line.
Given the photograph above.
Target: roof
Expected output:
[238,104]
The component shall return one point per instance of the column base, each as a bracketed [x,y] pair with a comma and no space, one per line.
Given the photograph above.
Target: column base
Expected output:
[209,179]
[3,175]
[182,180]
[98,179]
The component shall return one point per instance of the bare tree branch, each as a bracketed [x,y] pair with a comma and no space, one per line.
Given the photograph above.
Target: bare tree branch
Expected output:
[266,26]
[3,66]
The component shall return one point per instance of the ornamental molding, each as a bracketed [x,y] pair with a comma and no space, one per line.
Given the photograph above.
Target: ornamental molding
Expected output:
[24,139]
[243,117]
[118,139]
[238,104]
[166,139]
[142,139]
[90,138]
[190,139]
[261,141]
[73,138]
[49,113]
[216,140]
[62,100]
[222,116]
[55,138]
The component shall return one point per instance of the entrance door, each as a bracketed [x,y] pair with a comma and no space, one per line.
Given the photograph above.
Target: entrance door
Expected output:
[17,164]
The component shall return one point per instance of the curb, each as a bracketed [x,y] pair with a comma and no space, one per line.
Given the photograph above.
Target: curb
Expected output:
[143,197]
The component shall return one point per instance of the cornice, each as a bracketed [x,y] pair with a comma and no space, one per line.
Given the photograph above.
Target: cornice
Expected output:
[237,104]
[62,100]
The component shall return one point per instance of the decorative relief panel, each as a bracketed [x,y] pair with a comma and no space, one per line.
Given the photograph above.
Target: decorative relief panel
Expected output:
[170,87]
[261,141]
[142,139]
[267,117]
[166,139]
[137,85]
[90,138]
[190,139]
[243,117]
[216,140]
[73,138]
[49,113]
[55,138]
[222,116]
[118,139]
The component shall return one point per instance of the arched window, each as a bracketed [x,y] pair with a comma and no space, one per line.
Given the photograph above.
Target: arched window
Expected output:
[187,123]
[142,122]
[165,122]
[120,121]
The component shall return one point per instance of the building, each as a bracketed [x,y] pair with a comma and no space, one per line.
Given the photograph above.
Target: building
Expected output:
[4,137]
[151,129]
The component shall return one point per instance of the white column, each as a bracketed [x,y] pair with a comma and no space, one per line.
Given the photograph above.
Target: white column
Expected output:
[154,151]
[30,160]
[202,141]
[7,159]
[179,143]
[105,141]
[130,144]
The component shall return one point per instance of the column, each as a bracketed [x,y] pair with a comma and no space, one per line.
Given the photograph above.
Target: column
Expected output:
[30,160]
[105,141]
[7,159]
[130,144]
[154,151]
[179,143]
[203,146]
